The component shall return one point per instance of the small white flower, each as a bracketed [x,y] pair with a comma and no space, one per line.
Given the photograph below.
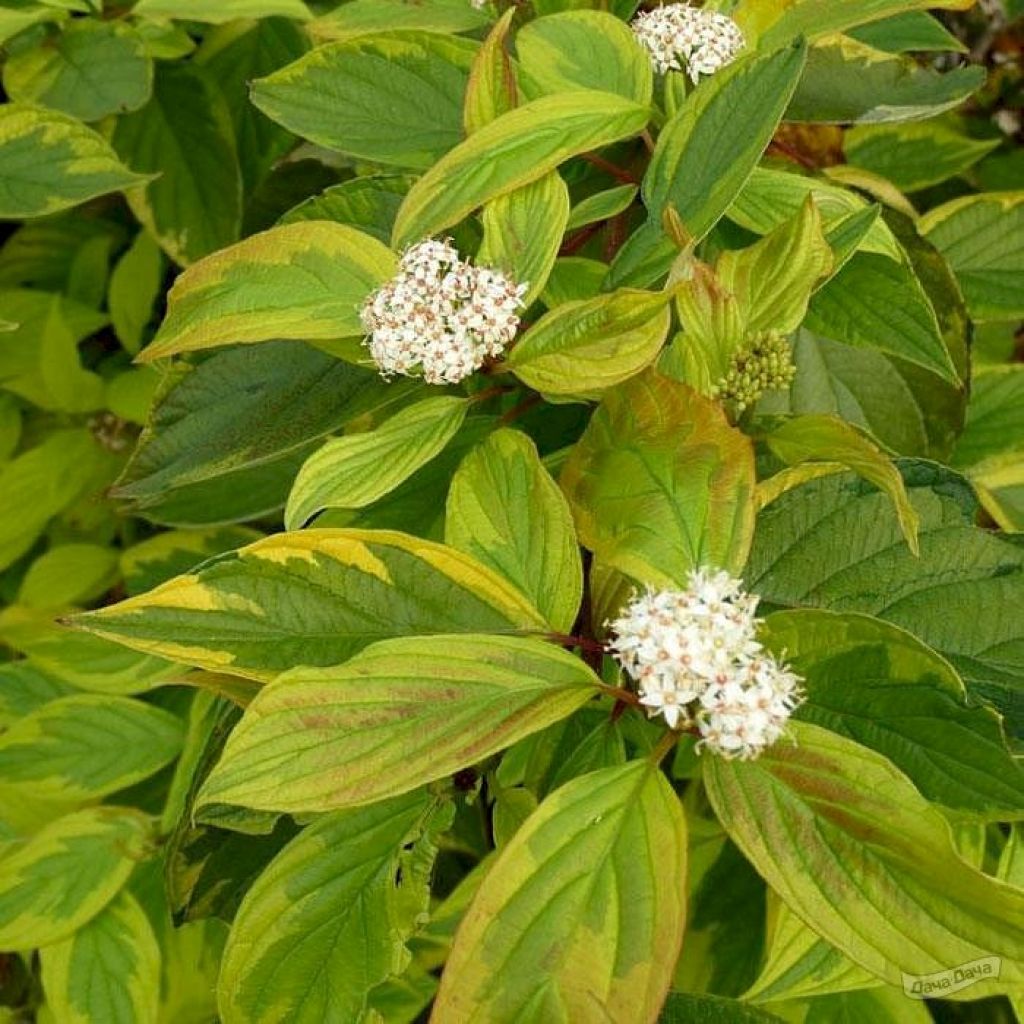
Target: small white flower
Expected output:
[695,659]
[748,713]
[684,38]
[440,315]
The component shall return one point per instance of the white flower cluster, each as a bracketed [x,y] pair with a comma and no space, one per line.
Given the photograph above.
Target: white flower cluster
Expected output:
[685,38]
[440,315]
[695,660]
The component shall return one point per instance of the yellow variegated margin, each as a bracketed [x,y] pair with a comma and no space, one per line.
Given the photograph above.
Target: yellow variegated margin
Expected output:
[236,615]
[304,281]
[64,875]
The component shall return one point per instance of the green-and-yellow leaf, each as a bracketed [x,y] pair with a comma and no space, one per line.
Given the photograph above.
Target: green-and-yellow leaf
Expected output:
[50,161]
[511,151]
[982,238]
[583,50]
[883,688]
[505,510]
[814,439]
[302,281]
[400,714]
[523,232]
[109,970]
[54,882]
[315,597]
[583,348]
[355,470]
[581,917]
[863,859]
[391,98]
[87,746]
[660,483]
[327,920]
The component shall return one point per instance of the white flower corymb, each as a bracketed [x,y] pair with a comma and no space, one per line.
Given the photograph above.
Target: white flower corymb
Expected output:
[695,659]
[440,315]
[684,38]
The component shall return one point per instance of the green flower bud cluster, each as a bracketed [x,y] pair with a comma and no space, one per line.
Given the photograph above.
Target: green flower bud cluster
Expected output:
[765,365]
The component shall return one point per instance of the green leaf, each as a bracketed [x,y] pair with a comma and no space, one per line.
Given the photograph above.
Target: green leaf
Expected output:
[982,238]
[816,18]
[417,506]
[523,232]
[87,746]
[506,511]
[355,470]
[134,288]
[847,81]
[328,919]
[91,70]
[54,882]
[42,482]
[874,870]
[771,197]
[835,543]
[226,442]
[914,155]
[906,32]
[906,408]
[660,483]
[875,303]
[50,161]
[828,439]
[400,714]
[688,1008]
[602,206]
[583,348]
[583,50]
[234,55]
[880,1005]
[301,281]
[369,204]
[313,598]
[511,151]
[68,574]
[359,17]
[183,135]
[705,153]
[877,685]
[48,253]
[25,686]
[223,10]
[108,970]
[583,908]
[572,279]
[335,95]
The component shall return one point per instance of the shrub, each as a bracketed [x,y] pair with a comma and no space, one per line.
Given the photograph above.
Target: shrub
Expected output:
[508,512]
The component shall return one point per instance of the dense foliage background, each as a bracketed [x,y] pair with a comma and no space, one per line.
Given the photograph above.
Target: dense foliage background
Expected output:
[770,324]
